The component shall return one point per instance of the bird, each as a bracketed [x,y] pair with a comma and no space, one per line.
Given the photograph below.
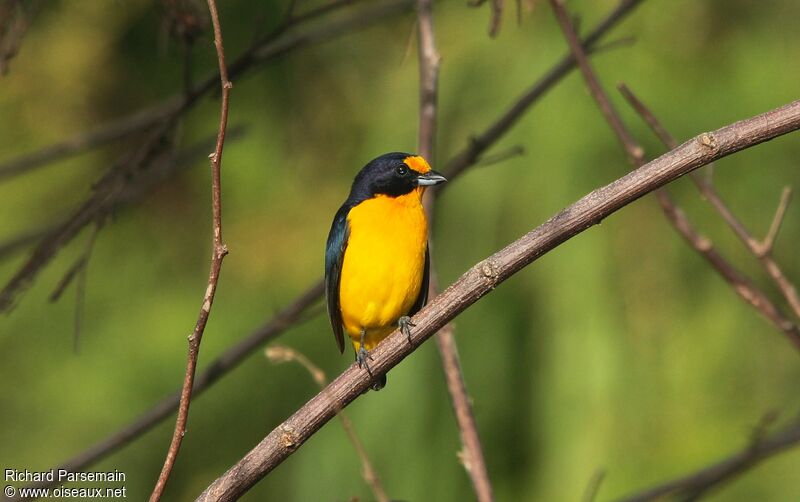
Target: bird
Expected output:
[377,264]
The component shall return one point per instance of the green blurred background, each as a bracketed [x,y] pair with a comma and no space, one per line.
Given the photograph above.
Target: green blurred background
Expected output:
[620,350]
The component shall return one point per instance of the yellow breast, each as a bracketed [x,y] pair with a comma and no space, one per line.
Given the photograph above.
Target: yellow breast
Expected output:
[383,265]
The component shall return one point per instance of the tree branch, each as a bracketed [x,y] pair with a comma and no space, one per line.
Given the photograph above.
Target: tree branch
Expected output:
[632,149]
[280,354]
[472,457]
[497,14]
[762,250]
[219,253]
[487,275]
[766,245]
[12,33]
[738,281]
[695,484]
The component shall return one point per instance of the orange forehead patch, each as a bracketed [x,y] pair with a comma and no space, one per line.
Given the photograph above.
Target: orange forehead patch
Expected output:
[418,164]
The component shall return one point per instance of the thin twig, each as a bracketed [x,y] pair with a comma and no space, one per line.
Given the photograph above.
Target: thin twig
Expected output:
[497,14]
[80,287]
[488,160]
[76,267]
[291,315]
[281,354]
[472,457]
[593,488]
[485,276]
[19,242]
[762,250]
[219,253]
[11,35]
[697,483]
[67,278]
[77,271]
[738,281]
[766,245]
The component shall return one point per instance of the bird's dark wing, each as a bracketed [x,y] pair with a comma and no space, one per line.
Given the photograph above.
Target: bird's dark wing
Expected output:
[334,256]
[423,289]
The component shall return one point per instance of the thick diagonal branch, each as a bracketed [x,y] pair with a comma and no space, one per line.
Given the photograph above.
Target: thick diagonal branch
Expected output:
[487,275]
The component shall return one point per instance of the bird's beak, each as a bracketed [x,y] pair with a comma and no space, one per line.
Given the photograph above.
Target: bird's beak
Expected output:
[430,178]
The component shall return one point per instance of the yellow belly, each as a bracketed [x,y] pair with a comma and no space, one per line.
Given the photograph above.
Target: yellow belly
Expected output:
[383,265]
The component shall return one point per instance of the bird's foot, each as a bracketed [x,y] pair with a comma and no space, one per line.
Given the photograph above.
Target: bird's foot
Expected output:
[405,325]
[361,358]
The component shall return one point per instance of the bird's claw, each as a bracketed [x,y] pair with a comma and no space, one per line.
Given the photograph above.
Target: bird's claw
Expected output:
[405,325]
[361,357]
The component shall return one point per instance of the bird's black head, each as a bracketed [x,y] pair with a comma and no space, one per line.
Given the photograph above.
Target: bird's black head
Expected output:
[393,174]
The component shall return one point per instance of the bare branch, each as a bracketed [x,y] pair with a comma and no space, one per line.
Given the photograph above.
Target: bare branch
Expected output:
[19,242]
[280,354]
[593,487]
[487,275]
[67,278]
[738,281]
[472,457]
[220,251]
[632,149]
[766,245]
[497,14]
[11,35]
[700,482]
[761,250]
[429,61]
[76,267]
[77,270]
[614,44]
[488,160]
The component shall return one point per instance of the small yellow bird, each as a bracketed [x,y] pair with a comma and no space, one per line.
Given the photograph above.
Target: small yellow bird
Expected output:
[376,259]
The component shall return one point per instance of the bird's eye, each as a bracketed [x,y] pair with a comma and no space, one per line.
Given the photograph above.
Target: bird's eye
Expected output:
[401,170]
